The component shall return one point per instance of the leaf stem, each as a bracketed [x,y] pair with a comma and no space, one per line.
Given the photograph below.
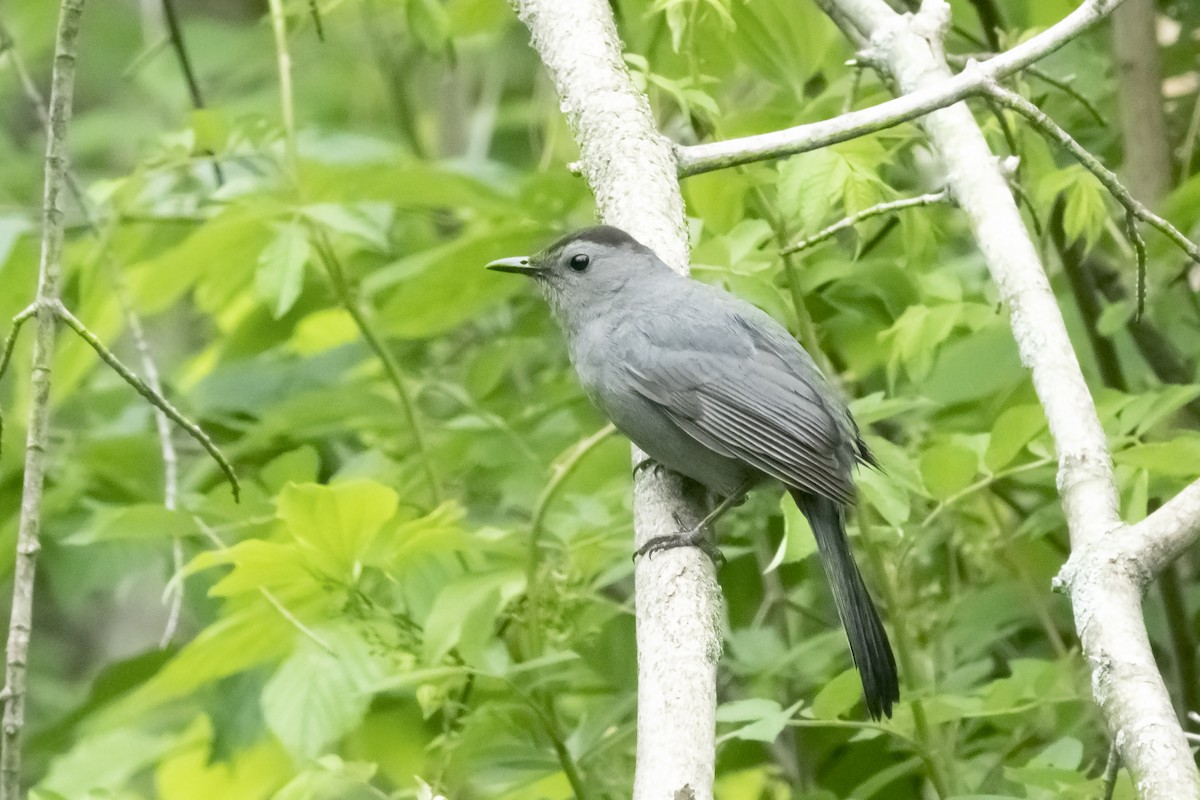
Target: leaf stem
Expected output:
[391,366]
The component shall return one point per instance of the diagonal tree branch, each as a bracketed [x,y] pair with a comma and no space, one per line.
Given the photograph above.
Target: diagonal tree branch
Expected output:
[632,171]
[1110,562]
[49,271]
[947,90]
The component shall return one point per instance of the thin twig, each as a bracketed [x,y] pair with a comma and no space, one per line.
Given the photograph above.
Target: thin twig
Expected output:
[166,443]
[1051,129]
[175,32]
[315,12]
[1063,85]
[283,59]
[153,397]
[1139,249]
[940,196]
[564,467]
[973,80]
[20,627]
[391,367]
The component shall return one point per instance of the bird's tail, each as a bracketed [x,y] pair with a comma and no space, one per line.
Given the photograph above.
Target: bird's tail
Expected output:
[868,640]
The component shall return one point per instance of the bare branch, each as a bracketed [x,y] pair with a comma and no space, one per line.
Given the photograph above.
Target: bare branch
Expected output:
[1048,127]
[1104,580]
[28,531]
[889,207]
[153,397]
[1163,536]
[632,170]
[950,89]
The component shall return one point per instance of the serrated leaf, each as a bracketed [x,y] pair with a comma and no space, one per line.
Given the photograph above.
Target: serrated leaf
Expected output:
[317,695]
[280,274]
[809,184]
[1086,210]
[337,523]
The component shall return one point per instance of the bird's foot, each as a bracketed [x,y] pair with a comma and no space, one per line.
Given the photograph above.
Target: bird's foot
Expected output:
[689,537]
[646,463]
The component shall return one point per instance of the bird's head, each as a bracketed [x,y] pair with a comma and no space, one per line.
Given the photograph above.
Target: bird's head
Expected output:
[584,271]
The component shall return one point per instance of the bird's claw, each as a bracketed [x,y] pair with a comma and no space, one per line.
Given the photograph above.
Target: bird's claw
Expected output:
[646,463]
[689,537]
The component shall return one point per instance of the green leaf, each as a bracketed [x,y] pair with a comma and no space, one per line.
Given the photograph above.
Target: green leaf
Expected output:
[1014,428]
[464,613]
[295,466]
[332,779]
[1086,210]
[437,289]
[885,496]
[368,222]
[765,718]
[280,275]
[338,522]
[1115,317]
[135,522]
[1139,498]
[838,696]
[317,695]
[948,468]
[429,24]
[809,185]
[798,542]
[1177,458]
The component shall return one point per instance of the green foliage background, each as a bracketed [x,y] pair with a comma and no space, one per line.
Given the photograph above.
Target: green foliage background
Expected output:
[451,602]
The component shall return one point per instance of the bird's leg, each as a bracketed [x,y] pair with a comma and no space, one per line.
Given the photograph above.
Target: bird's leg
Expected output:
[697,535]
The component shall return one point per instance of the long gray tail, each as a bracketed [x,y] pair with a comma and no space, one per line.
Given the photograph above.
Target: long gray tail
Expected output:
[868,640]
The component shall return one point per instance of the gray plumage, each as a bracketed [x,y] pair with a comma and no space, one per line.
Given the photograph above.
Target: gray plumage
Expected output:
[711,387]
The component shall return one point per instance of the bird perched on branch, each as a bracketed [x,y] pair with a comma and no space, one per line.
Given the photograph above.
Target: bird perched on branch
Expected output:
[713,388]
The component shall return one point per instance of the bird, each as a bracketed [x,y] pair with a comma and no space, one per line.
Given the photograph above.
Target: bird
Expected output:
[713,388]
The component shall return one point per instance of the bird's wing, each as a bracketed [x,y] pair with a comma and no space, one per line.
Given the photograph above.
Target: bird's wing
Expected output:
[744,407]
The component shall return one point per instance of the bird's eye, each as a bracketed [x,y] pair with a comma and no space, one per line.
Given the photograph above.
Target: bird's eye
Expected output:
[579,262]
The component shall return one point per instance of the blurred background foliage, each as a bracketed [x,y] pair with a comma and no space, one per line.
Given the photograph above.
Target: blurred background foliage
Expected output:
[428,580]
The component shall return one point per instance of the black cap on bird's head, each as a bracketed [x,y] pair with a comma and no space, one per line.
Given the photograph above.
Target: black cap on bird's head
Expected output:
[579,253]
[583,269]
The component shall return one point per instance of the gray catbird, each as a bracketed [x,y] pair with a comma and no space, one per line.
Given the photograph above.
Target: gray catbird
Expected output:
[711,387]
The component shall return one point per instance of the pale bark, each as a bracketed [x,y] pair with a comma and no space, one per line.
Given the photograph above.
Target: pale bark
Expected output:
[709,156]
[29,528]
[632,171]
[1110,563]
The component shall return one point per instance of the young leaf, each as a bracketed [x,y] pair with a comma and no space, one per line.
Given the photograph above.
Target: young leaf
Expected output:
[280,274]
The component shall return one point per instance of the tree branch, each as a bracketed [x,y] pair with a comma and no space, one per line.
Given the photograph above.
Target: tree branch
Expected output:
[1110,563]
[153,397]
[933,95]
[632,170]
[49,272]
[889,207]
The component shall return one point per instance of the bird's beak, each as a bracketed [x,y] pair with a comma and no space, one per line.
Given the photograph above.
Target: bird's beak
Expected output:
[518,265]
